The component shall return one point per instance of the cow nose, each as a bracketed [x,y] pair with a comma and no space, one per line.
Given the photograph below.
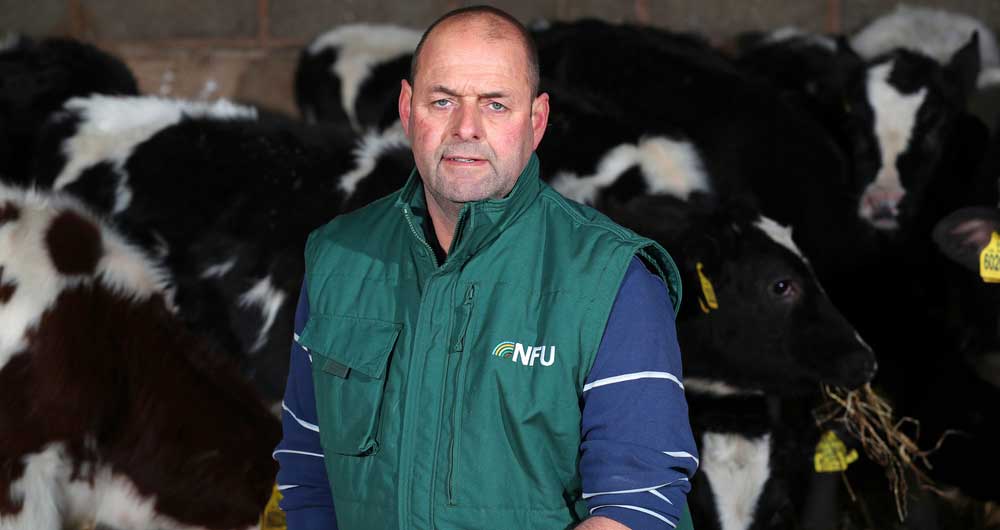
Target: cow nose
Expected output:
[880,206]
[857,369]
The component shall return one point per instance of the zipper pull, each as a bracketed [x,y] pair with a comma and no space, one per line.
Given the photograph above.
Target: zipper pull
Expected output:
[466,315]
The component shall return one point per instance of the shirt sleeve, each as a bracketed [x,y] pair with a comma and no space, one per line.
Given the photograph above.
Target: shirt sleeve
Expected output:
[638,452]
[306,497]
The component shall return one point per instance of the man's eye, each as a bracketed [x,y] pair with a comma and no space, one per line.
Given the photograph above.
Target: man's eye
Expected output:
[440,103]
[497,106]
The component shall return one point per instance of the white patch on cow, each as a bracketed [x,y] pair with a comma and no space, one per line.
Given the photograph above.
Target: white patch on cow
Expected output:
[668,167]
[111,127]
[895,117]
[700,385]
[360,47]
[779,233]
[989,78]
[791,33]
[932,32]
[738,469]
[269,300]
[218,270]
[367,153]
[38,489]
[54,497]
[25,261]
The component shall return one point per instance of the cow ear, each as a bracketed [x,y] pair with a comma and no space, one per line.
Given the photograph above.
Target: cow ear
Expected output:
[963,234]
[963,68]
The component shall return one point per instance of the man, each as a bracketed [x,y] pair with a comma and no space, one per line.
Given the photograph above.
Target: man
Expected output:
[480,353]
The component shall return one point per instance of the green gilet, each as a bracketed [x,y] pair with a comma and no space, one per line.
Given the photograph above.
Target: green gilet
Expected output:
[449,396]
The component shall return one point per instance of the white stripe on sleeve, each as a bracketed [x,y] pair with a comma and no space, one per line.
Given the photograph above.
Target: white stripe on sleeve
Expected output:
[621,492]
[289,451]
[632,377]
[660,495]
[682,454]
[636,508]
[303,423]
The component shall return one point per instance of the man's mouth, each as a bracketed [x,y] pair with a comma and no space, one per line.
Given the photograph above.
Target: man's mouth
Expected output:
[462,159]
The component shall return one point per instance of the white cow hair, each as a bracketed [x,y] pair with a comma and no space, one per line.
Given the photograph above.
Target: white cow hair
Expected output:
[791,32]
[779,233]
[710,387]
[895,117]
[737,468]
[26,262]
[936,33]
[111,127]
[269,299]
[360,47]
[367,152]
[54,498]
[218,270]
[668,166]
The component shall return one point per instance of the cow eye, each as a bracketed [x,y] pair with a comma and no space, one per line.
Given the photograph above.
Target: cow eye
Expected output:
[782,288]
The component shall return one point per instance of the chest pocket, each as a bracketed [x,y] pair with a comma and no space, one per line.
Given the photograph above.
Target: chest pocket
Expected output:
[349,360]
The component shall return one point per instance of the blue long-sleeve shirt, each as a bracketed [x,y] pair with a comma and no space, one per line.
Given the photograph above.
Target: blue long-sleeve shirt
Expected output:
[637,450]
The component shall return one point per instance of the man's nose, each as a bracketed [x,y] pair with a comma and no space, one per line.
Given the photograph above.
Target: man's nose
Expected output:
[469,123]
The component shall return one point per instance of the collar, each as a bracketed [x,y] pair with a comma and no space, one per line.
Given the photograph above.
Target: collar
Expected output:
[479,222]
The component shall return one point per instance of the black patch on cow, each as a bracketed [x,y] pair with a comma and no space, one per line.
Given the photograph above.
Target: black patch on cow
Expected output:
[317,90]
[7,289]
[74,244]
[9,212]
[10,471]
[376,103]
[97,186]
[36,79]
[82,381]
[629,184]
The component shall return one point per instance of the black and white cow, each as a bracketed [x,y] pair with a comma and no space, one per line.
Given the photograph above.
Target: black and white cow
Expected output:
[900,118]
[36,78]
[226,198]
[969,385]
[111,411]
[351,75]
[755,327]
[936,33]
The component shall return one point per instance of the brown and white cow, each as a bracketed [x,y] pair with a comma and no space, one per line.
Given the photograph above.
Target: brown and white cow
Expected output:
[111,412]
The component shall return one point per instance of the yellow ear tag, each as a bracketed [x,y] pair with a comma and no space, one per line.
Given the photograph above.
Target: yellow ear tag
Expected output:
[989,260]
[273,517]
[708,302]
[831,454]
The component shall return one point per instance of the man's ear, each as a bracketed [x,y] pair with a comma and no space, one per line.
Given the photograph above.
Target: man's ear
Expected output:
[539,117]
[405,96]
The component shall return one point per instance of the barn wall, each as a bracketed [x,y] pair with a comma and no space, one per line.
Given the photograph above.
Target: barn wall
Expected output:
[246,49]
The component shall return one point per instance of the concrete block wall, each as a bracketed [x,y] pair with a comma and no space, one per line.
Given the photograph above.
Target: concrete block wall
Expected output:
[247,49]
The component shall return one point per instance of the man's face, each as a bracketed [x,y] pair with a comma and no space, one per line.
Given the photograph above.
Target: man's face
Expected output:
[470,116]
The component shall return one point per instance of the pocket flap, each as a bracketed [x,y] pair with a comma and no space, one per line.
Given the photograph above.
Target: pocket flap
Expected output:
[349,343]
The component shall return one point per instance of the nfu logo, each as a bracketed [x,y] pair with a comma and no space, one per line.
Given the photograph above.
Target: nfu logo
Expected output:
[526,355]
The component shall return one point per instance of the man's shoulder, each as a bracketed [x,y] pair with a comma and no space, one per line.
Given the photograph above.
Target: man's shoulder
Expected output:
[360,222]
[584,219]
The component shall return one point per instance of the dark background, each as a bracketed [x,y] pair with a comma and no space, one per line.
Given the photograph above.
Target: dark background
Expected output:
[246,49]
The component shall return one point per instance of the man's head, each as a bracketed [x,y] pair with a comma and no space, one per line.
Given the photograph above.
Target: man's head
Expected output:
[470,108]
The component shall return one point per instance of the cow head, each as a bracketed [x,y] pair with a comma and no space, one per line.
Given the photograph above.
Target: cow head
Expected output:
[901,111]
[753,315]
